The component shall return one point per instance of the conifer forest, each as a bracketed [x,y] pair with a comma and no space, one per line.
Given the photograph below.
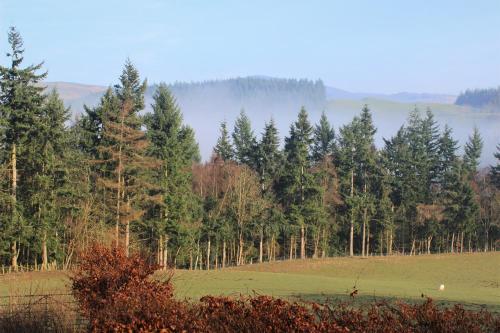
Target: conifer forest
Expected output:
[121,176]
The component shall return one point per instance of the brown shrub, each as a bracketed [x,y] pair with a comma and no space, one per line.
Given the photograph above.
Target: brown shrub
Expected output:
[117,294]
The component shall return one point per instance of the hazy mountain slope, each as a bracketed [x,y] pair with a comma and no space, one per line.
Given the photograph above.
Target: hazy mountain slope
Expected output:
[405,97]
[205,105]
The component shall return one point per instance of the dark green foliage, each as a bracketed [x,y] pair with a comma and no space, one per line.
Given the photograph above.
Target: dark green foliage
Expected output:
[173,143]
[244,140]
[269,157]
[223,148]
[324,139]
[495,170]
[472,153]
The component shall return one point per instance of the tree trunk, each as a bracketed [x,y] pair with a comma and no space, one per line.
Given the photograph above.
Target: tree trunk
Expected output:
[45,261]
[302,242]
[324,244]
[486,239]
[412,251]
[367,249]
[14,252]
[272,255]
[351,234]
[158,252]
[462,243]
[291,247]
[390,243]
[363,236]
[429,240]
[240,250]
[452,249]
[216,264]
[190,259]
[197,254]
[223,253]
[127,239]
[208,255]
[261,244]
[165,252]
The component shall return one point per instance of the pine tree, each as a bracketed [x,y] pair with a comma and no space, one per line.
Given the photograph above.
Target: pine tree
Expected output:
[472,153]
[123,150]
[21,99]
[269,158]
[495,170]
[223,148]
[47,173]
[299,191]
[447,155]
[244,140]
[269,163]
[173,144]
[324,139]
[345,158]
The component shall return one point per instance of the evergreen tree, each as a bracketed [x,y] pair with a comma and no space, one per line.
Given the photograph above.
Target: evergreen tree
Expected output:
[495,170]
[21,100]
[345,157]
[48,175]
[123,149]
[447,155]
[223,148]
[244,140]
[300,193]
[175,146]
[269,158]
[472,153]
[324,139]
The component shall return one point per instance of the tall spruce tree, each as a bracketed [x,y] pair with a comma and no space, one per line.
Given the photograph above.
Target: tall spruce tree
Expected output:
[269,158]
[345,157]
[21,100]
[324,139]
[47,178]
[300,193]
[173,144]
[472,153]
[244,140]
[223,148]
[269,163]
[123,150]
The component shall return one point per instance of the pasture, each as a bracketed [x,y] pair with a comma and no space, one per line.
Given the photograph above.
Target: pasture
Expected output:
[470,279]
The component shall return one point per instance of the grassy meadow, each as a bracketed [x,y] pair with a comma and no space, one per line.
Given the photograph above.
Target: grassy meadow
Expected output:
[470,279]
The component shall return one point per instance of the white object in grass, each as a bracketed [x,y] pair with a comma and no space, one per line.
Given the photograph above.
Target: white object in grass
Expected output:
[441,287]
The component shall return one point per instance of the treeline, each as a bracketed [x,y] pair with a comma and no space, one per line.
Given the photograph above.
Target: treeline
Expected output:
[488,99]
[116,176]
[253,90]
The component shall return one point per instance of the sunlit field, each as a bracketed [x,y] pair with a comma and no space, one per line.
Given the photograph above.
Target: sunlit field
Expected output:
[470,279]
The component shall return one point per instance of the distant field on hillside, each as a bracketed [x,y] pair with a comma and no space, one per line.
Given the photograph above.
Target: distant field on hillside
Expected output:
[472,279]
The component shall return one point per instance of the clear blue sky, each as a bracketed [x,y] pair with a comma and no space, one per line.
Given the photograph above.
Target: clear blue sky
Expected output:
[370,46]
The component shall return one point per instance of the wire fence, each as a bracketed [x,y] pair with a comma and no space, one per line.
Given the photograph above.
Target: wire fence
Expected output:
[46,312]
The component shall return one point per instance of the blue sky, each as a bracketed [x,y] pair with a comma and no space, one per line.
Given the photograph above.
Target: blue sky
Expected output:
[369,46]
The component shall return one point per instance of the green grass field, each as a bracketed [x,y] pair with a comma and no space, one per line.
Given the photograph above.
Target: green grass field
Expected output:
[471,279]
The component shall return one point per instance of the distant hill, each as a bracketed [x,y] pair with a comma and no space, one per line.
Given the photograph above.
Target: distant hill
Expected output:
[206,104]
[404,97]
[481,98]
